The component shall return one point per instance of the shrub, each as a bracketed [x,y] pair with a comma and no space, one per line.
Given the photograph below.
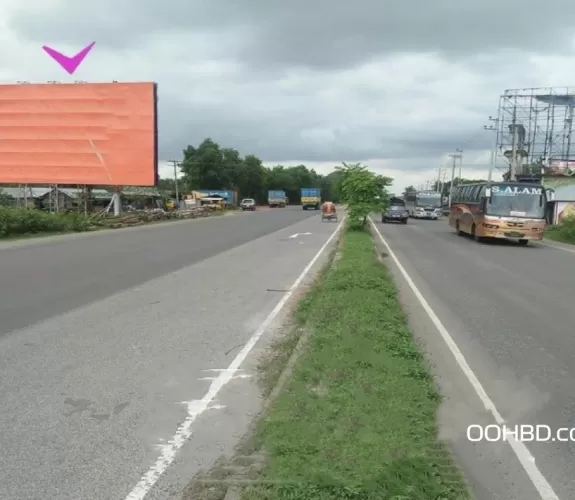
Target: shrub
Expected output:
[20,221]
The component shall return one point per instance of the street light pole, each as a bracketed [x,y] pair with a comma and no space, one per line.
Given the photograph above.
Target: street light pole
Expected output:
[454,157]
[492,160]
[460,152]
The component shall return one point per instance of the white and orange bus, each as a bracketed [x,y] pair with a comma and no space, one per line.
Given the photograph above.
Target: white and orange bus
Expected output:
[503,210]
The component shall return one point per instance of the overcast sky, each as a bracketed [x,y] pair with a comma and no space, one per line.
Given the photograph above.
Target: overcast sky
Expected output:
[395,84]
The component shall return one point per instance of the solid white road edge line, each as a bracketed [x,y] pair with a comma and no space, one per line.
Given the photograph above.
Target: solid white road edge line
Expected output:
[557,247]
[184,431]
[523,454]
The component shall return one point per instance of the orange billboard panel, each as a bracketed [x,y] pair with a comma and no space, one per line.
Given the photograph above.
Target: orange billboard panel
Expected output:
[102,134]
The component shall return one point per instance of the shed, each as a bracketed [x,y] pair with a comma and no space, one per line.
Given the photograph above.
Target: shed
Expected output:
[18,196]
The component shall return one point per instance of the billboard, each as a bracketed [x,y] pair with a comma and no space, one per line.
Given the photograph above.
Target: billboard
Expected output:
[102,134]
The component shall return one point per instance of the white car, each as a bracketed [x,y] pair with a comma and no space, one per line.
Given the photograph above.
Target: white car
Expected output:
[248,204]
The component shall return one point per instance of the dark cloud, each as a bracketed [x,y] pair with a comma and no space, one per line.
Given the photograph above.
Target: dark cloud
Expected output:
[318,33]
[255,109]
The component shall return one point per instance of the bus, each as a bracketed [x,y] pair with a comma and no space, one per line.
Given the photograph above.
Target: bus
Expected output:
[513,211]
[424,204]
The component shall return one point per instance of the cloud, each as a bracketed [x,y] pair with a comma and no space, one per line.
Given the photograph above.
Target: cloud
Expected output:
[397,84]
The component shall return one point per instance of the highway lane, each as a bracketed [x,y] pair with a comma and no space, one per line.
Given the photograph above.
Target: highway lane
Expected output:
[510,310]
[92,396]
[47,277]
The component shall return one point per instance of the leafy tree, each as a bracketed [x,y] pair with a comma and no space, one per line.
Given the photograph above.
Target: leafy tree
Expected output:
[409,192]
[5,198]
[363,191]
[209,166]
[167,185]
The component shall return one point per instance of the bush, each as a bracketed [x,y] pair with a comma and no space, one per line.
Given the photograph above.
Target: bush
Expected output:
[564,232]
[21,221]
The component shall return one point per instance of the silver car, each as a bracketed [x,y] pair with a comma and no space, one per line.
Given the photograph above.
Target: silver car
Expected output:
[248,204]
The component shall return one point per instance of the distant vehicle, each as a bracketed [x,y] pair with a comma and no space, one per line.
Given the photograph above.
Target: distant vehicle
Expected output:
[396,211]
[248,204]
[504,210]
[310,198]
[424,205]
[277,198]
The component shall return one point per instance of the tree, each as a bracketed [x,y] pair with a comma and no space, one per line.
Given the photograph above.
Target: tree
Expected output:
[409,192]
[209,166]
[5,198]
[363,191]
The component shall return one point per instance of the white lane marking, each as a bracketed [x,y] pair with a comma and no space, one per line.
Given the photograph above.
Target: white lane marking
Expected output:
[570,250]
[298,234]
[523,454]
[196,408]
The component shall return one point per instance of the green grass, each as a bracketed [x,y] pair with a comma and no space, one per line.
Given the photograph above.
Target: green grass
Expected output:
[564,233]
[357,420]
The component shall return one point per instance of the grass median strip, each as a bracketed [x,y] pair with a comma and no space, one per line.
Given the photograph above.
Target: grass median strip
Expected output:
[357,420]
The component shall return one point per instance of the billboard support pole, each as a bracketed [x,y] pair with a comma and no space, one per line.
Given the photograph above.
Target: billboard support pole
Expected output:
[117,199]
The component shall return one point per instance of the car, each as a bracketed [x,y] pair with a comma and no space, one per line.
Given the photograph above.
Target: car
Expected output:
[248,204]
[396,211]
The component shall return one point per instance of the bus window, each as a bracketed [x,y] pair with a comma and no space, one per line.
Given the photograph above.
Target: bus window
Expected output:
[457,194]
[475,193]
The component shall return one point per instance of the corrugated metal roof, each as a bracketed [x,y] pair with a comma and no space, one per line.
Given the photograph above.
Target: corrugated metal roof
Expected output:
[140,191]
[97,194]
[19,193]
[565,193]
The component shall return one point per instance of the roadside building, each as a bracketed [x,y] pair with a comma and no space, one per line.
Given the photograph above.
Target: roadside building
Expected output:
[23,196]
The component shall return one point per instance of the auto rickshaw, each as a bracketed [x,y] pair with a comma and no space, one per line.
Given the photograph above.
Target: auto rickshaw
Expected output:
[328,212]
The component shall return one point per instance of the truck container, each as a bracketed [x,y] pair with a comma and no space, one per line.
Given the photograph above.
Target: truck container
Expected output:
[277,198]
[310,198]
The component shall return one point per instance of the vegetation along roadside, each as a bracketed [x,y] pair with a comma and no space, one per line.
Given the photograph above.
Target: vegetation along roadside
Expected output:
[18,223]
[564,232]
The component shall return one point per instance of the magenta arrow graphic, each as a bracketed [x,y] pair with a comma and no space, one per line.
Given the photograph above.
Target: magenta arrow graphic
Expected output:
[70,64]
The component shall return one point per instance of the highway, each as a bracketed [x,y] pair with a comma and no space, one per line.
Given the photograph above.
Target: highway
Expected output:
[114,348]
[510,311]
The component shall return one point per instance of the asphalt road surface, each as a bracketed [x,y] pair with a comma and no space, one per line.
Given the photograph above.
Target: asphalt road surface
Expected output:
[510,310]
[112,346]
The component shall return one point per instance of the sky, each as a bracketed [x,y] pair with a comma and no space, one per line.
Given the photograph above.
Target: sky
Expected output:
[395,85]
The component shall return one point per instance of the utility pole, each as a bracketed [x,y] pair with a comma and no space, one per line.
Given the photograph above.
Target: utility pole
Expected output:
[454,158]
[492,160]
[176,164]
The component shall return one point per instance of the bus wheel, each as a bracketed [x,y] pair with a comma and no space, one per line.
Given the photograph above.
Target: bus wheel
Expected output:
[475,237]
[459,231]
[523,243]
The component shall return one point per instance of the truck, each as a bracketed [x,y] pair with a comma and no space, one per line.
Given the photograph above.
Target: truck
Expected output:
[277,198]
[310,198]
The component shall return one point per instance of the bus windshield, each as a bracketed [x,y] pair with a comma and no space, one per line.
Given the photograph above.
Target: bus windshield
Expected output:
[513,201]
[428,201]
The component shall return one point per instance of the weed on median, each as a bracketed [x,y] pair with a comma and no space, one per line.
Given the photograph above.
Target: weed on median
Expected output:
[357,419]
